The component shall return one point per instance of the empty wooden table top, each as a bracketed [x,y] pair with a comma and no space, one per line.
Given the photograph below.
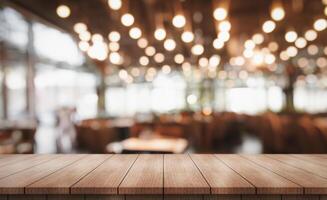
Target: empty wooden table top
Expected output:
[158,174]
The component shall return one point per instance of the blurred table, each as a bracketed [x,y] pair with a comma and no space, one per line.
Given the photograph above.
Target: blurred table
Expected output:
[152,145]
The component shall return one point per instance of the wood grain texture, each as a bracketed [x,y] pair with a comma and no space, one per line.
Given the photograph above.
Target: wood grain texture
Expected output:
[60,181]
[222,197]
[312,184]
[300,197]
[313,159]
[10,159]
[106,178]
[22,164]
[145,176]
[261,197]
[221,178]
[302,164]
[181,176]
[104,197]
[16,183]
[144,197]
[183,197]
[265,181]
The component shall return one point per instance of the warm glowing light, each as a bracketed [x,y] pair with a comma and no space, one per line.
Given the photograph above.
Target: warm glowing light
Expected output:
[270,59]
[197,49]
[187,36]
[290,36]
[284,56]
[277,13]
[135,71]
[192,99]
[166,69]
[142,43]
[273,46]
[63,11]
[179,58]
[115,58]
[115,4]
[291,51]
[320,24]
[300,43]
[114,36]
[313,49]
[150,51]
[114,46]
[218,43]
[239,61]
[203,62]
[83,45]
[159,57]
[249,44]
[224,36]
[169,44]
[269,26]
[179,21]
[80,27]
[98,50]
[85,36]
[97,38]
[135,33]
[160,34]
[224,26]
[127,19]
[214,60]
[310,35]
[220,14]
[207,111]
[258,58]
[321,62]
[144,60]
[123,74]
[258,38]
[248,53]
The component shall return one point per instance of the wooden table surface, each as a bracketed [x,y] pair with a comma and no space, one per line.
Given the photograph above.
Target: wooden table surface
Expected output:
[169,176]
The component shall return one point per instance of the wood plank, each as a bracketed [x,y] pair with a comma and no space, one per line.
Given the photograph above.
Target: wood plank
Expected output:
[145,176]
[313,159]
[24,164]
[144,197]
[10,159]
[65,197]
[222,197]
[181,176]
[301,164]
[261,197]
[183,197]
[104,197]
[265,181]
[106,178]
[16,183]
[60,181]
[221,178]
[300,197]
[312,184]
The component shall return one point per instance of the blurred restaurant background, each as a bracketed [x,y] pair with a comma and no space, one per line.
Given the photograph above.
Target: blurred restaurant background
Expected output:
[163,76]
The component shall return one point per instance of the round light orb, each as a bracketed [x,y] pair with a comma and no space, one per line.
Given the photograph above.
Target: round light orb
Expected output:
[115,58]
[142,43]
[269,26]
[63,11]
[224,26]
[150,51]
[290,36]
[83,46]
[135,33]
[249,44]
[218,43]
[312,49]
[179,21]
[187,36]
[300,43]
[159,57]
[270,59]
[277,13]
[191,99]
[80,27]
[258,38]
[166,69]
[123,74]
[310,35]
[114,36]
[114,46]
[284,56]
[320,24]
[224,36]
[97,38]
[179,58]
[115,4]
[214,60]
[197,49]
[127,19]
[169,44]
[248,53]
[273,46]
[321,62]
[160,34]
[203,62]
[220,14]
[291,51]
[85,36]
[144,60]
